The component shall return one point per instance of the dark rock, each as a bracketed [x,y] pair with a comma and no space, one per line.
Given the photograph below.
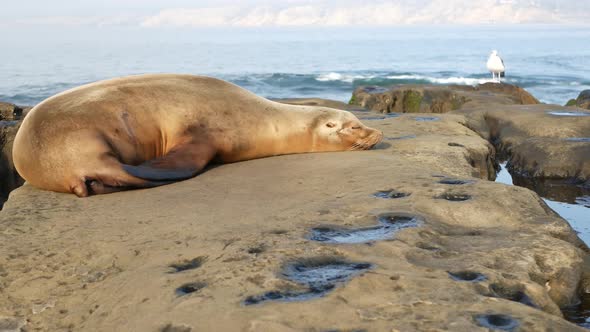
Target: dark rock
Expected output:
[433,98]
[516,93]
[11,112]
[9,178]
[583,100]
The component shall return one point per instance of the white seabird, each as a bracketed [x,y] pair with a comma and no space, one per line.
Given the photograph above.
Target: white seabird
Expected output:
[496,66]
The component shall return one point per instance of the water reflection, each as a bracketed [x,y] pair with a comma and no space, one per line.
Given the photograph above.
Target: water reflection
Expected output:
[569,200]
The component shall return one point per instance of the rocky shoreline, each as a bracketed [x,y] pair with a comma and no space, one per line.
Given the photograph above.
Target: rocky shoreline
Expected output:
[410,236]
[540,141]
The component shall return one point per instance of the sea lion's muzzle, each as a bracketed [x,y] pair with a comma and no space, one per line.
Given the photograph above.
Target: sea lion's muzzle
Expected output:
[369,141]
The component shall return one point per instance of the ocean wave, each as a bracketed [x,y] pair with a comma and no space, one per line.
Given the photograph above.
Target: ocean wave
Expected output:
[401,78]
[329,77]
[335,85]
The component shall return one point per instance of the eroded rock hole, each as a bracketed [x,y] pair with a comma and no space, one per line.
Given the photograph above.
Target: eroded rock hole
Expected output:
[497,321]
[189,288]
[257,249]
[515,294]
[188,264]
[469,276]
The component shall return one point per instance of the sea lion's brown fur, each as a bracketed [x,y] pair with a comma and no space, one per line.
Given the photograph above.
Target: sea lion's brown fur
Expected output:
[148,130]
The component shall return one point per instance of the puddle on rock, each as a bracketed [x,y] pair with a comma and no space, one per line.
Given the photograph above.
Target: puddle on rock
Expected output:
[383,116]
[578,139]
[579,313]
[391,223]
[568,113]
[426,118]
[497,322]
[454,182]
[455,197]
[318,275]
[4,124]
[468,276]
[399,137]
[391,193]
[570,200]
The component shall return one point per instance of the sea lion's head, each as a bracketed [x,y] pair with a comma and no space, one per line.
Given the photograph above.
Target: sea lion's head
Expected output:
[337,130]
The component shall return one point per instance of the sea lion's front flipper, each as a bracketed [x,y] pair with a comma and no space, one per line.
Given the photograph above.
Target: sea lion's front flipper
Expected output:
[148,172]
[182,162]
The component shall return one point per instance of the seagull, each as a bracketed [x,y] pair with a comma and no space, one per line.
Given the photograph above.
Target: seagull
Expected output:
[496,66]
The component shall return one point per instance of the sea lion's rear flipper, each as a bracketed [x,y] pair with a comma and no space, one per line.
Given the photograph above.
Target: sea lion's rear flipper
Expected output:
[182,162]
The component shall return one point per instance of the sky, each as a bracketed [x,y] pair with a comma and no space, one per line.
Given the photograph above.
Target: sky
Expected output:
[157,14]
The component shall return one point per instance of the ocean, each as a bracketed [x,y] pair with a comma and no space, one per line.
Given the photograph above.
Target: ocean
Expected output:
[549,61]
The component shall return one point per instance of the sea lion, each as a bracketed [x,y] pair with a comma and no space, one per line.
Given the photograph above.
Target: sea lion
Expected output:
[149,130]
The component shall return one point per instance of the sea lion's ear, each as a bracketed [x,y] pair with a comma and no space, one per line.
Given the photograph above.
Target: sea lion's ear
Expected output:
[330,125]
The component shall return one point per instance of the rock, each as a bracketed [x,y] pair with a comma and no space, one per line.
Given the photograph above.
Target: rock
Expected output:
[52,243]
[583,100]
[11,112]
[407,99]
[517,94]
[10,116]
[435,98]
[321,102]
[9,178]
[541,141]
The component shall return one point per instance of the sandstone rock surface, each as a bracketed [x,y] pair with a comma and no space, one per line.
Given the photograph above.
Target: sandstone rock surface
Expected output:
[190,254]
